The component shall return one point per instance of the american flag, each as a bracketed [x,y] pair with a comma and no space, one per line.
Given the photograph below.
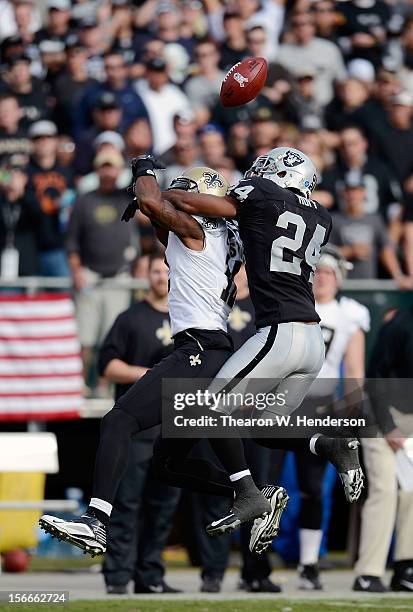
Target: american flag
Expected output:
[40,365]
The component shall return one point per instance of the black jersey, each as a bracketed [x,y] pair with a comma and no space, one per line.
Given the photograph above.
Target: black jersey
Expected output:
[282,234]
[141,335]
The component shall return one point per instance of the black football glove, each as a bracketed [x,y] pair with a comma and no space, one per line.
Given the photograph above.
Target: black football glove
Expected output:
[130,210]
[144,165]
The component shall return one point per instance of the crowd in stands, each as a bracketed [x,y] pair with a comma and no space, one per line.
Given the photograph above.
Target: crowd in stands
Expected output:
[87,85]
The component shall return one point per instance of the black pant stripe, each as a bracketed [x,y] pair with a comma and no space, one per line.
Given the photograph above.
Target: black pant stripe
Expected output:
[254,361]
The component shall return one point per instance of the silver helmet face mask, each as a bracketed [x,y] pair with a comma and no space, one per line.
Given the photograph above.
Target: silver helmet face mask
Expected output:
[288,168]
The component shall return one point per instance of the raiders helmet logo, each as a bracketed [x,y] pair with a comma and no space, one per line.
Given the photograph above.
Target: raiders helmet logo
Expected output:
[212,180]
[240,79]
[292,159]
[209,223]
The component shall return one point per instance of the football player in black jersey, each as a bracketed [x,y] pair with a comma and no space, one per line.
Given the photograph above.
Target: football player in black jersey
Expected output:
[283,231]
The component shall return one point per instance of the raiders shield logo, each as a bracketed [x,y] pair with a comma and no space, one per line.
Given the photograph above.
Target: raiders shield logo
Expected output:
[240,79]
[209,223]
[212,180]
[292,159]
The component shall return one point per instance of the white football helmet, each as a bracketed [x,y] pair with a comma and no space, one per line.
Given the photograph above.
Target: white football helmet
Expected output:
[287,167]
[331,258]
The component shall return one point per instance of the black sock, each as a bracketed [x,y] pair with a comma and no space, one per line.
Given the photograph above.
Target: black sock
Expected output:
[244,486]
[99,514]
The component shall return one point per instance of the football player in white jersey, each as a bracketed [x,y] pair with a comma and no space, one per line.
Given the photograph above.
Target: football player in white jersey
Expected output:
[343,323]
[203,256]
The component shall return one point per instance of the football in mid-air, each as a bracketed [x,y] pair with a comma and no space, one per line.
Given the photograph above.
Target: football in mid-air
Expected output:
[244,81]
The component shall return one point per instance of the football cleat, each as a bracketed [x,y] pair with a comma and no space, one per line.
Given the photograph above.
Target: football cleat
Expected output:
[85,532]
[343,453]
[369,584]
[264,530]
[245,508]
[310,578]
[403,581]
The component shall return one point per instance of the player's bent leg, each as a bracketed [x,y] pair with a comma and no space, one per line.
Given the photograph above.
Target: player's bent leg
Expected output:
[343,453]
[172,465]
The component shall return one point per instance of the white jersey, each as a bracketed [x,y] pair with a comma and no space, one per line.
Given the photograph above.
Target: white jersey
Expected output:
[201,283]
[339,321]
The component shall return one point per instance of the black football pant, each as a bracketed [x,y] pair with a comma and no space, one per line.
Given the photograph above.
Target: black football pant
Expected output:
[140,522]
[140,408]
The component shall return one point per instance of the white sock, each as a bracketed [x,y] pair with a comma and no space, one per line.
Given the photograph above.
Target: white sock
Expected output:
[310,541]
[313,441]
[239,475]
[101,504]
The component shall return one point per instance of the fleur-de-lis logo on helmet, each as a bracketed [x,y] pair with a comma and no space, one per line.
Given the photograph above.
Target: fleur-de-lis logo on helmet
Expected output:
[212,180]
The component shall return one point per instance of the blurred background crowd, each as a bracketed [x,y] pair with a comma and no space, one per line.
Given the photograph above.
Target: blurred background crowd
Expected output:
[87,85]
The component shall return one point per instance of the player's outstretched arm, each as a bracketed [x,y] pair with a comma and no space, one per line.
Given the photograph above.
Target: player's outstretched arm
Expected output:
[148,199]
[201,203]
[159,211]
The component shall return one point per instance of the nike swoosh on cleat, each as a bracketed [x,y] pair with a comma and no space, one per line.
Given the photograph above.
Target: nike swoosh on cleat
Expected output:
[364,583]
[156,588]
[407,584]
[216,523]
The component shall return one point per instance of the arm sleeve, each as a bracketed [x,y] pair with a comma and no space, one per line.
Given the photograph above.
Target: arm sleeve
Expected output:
[115,345]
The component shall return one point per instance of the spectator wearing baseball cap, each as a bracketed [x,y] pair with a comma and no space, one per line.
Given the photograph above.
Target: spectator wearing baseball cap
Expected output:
[70,86]
[163,101]
[53,56]
[99,246]
[106,115]
[106,144]
[31,93]
[362,238]
[58,22]
[49,189]
[116,83]
[393,138]
[92,37]
[18,220]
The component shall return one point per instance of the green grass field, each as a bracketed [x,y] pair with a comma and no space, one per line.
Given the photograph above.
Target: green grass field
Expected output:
[248,605]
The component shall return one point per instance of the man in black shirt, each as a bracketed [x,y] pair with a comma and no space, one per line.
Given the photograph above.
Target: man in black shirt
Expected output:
[13,139]
[354,162]
[31,93]
[141,518]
